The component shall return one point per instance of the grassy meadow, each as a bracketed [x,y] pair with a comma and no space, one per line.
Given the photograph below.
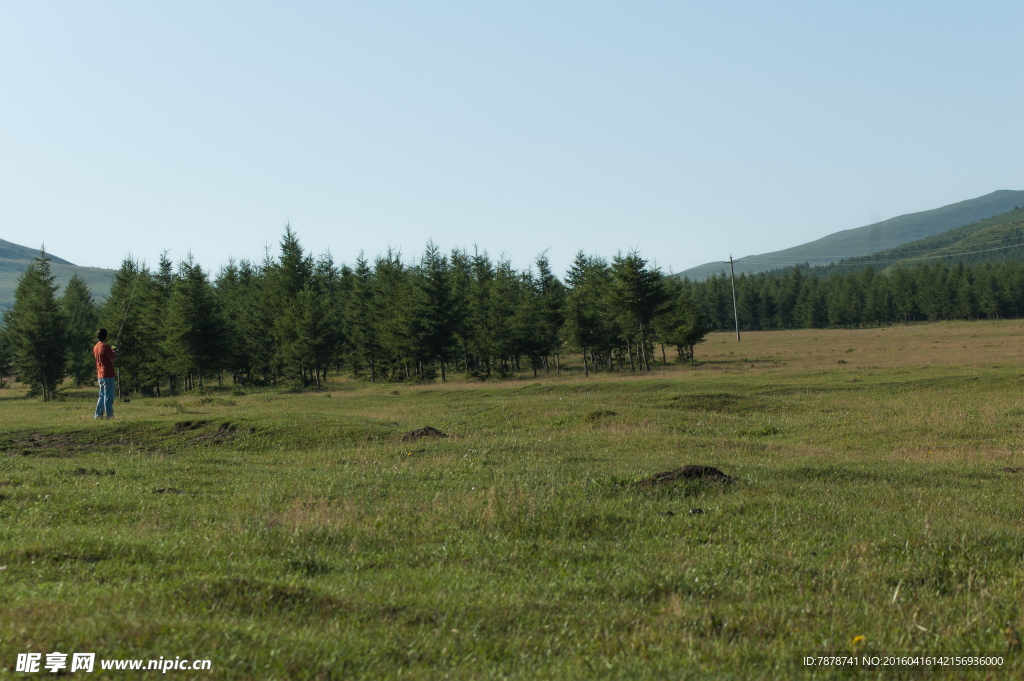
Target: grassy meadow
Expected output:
[877,508]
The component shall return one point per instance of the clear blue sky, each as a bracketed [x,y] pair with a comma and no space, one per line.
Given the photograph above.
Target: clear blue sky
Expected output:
[687,130]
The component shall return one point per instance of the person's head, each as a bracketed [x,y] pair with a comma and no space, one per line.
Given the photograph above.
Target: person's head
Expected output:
[102,335]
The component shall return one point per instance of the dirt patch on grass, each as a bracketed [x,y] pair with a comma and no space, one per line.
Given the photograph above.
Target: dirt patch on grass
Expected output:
[707,473]
[419,433]
[85,553]
[185,426]
[93,471]
[725,403]
[225,431]
[57,446]
[257,597]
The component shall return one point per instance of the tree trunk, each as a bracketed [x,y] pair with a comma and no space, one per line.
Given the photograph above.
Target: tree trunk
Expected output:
[200,380]
[629,351]
[586,369]
[663,360]
[643,347]
[558,362]
[442,371]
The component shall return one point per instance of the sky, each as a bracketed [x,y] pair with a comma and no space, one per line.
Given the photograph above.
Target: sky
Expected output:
[688,131]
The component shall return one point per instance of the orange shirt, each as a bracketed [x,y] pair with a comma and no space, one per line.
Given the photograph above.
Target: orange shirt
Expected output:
[104,355]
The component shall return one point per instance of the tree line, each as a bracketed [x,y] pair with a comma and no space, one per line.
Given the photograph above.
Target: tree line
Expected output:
[805,298]
[292,318]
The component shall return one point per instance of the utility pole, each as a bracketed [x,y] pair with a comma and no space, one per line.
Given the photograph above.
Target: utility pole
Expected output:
[735,312]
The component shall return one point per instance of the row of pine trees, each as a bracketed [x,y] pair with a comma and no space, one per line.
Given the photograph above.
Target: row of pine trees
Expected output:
[798,298]
[291,319]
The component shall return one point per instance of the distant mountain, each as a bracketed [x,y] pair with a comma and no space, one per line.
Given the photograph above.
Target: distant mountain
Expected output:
[14,259]
[1000,237]
[871,239]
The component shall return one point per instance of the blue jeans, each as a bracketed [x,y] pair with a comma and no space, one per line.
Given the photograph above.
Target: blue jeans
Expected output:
[106,401]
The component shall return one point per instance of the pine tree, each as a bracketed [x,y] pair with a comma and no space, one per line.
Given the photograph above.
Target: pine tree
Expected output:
[258,321]
[36,329]
[194,330]
[359,319]
[286,279]
[315,329]
[6,357]
[129,319]
[460,278]
[479,328]
[637,294]
[586,327]
[82,322]
[501,327]
[551,300]
[161,285]
[681,322]
[528,330]
[392,310]
[436,314]
[327,281]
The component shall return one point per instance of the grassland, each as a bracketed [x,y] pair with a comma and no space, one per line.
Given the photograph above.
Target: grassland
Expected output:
[289,535]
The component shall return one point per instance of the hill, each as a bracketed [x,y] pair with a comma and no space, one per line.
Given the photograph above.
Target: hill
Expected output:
[871,239]
[1000,237]
[14,258]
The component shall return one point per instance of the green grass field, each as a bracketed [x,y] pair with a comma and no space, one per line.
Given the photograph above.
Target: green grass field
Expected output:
[878,508]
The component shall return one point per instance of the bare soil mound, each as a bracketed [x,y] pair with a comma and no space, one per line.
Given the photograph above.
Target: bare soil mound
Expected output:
[56,445]
[687,473]
[425,431]
[184,426]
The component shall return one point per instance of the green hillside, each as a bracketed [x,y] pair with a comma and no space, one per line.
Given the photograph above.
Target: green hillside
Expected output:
[1000,237]
[871,239]
[14,258]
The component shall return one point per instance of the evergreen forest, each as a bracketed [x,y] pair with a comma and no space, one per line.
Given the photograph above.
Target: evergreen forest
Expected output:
[798,298]
[291,319]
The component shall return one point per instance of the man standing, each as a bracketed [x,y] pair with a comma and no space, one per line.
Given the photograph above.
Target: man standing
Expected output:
[104,355]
